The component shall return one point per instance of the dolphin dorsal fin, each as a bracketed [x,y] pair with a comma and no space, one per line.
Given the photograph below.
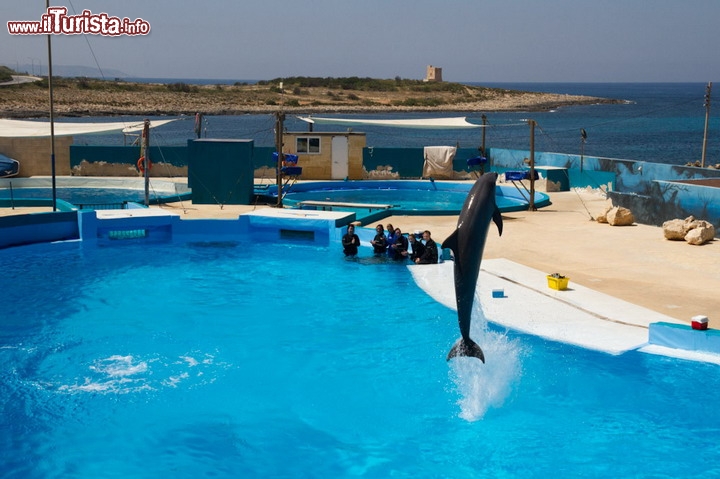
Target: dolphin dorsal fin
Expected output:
[497,218]
[452,242]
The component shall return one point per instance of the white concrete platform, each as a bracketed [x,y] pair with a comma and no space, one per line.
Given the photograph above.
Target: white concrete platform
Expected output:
[288,213]
[577,315]
[132,213]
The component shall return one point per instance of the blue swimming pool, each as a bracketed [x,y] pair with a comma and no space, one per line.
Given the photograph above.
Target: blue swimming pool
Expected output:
[402,197]
[88,196]
[88,191]
[223,358]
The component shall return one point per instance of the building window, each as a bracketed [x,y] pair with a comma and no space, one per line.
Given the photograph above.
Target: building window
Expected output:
[308,144]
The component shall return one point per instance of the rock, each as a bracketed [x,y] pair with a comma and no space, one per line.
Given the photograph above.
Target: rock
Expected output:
[674,230]
[620,216]
[693,231]
[701,234]
[602,217]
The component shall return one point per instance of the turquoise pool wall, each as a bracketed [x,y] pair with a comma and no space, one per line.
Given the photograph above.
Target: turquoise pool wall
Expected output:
[118,229]
[38,228]
[650,190]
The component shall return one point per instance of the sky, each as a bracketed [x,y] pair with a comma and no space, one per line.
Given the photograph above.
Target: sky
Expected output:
[472,40]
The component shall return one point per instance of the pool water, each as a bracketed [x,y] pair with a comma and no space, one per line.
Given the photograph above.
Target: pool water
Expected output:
[404,197]
[408,200]
[79,195]
[240,359]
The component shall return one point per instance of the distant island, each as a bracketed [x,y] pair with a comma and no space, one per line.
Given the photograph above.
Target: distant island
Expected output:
[94,97]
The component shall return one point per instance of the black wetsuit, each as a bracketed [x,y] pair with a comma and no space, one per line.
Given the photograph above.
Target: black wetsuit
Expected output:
[350,244]
[380,245]
[418,250]
[400,245]
[430,255]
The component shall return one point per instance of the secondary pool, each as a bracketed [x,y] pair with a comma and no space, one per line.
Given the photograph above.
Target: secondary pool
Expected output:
[284,359]
[399,197]
[89,192]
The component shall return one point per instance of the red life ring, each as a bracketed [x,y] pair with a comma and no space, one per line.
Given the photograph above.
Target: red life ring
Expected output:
[141,164]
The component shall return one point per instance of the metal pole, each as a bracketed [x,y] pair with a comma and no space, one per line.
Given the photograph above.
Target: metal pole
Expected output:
[531,205]
[483,153]
[280,117]
[583,137]
[707,119]
[484,122]
[146,162]
[52,117]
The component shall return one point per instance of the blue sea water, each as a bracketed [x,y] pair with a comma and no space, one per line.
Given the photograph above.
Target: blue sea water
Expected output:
[655,122]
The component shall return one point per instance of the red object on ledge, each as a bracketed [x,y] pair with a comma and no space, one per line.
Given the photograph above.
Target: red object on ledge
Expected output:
[700,322]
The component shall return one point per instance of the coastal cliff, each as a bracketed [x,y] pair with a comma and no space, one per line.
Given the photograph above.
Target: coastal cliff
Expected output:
[88,97]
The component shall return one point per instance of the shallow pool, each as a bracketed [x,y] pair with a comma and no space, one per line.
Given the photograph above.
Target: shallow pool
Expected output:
[238,359]
[89,191]
[79,195]
[85,196]
[403,197]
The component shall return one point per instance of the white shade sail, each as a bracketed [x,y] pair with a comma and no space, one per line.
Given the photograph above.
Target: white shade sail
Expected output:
[29,129]
[428,123]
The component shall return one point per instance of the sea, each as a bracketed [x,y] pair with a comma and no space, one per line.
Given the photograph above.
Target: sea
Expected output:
[654,122]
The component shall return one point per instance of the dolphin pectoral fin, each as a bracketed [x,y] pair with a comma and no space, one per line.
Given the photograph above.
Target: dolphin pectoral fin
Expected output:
[452,242]
[497,218]
[466,347]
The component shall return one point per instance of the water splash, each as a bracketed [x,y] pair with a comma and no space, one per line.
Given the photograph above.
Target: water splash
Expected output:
[128,374]
[484,386]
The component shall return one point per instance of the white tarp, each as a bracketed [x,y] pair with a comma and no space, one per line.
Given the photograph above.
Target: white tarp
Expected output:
[439,162]
[27,129]
[429,123]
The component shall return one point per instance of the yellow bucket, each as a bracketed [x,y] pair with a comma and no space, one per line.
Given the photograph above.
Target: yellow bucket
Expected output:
[557,283]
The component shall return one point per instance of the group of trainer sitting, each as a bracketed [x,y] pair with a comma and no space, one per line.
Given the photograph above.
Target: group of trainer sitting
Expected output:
[419,247]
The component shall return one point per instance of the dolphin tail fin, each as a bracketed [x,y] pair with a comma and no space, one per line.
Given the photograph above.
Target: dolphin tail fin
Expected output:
[497,218]
[466,347]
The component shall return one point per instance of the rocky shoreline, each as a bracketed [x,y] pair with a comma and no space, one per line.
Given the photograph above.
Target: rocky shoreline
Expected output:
[83,98]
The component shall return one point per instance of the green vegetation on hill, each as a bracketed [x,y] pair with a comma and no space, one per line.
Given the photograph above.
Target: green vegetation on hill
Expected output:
[366,84]
[89,96]
[6,73]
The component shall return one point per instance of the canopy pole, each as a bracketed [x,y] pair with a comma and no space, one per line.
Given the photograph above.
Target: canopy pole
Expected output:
[707,118]
[279,119]
[146,161]
[484,123]
[583,138]
[531,204]
[52,116]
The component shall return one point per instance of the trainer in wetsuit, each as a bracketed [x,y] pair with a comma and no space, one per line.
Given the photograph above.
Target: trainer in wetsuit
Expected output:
[379,243]
[418,249]
[400,246]
[390,239]
[430,255]
[350,242]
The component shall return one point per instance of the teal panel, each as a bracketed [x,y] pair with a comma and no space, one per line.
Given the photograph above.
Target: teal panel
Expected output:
[408,162]
[221,171]
[263,156]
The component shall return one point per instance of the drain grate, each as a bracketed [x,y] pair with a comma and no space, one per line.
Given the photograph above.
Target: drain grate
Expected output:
[127,234]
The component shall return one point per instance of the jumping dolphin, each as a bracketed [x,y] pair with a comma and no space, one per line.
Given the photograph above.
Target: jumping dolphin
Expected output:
[467,243]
